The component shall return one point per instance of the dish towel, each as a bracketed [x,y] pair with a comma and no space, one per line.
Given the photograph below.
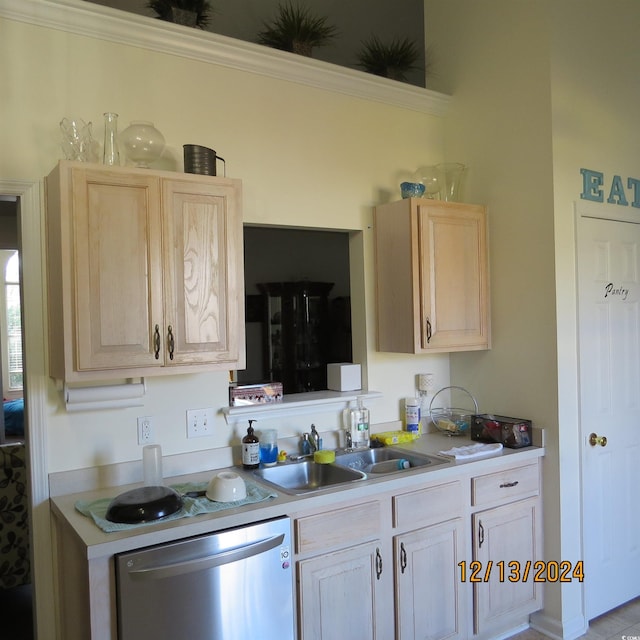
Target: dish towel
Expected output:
[469,451]
[97,509]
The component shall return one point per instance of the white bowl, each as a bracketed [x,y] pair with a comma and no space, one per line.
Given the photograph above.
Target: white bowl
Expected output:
[227,486]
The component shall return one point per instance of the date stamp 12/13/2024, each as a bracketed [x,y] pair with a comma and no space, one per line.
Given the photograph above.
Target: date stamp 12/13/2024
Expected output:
[516,571]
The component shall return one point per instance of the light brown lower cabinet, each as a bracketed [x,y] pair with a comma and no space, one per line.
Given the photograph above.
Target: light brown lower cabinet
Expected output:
[400,566]
[429,597]
[380,564]
[506,541]
[339,593]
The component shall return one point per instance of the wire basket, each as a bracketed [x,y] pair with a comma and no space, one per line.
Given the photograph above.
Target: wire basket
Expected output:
[452,421]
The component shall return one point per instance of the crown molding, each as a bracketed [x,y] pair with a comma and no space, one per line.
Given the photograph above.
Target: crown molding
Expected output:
[96,21]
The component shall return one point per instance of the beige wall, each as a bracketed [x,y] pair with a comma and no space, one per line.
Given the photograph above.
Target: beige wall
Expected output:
[307,157]
[540,89]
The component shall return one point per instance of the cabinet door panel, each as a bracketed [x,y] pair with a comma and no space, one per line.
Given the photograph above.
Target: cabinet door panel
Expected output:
[453,280]
[432,291]
[117,253]
[202,269]
[337,595]
[508,537]
[430,604]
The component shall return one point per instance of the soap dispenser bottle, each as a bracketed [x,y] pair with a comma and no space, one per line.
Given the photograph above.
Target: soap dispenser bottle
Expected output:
[250,449]
[359,425]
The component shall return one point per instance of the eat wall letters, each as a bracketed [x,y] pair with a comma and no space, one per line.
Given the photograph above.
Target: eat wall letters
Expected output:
[592,189]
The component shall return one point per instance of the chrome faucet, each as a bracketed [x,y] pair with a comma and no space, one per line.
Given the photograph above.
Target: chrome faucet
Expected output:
[314,439]
[348,442]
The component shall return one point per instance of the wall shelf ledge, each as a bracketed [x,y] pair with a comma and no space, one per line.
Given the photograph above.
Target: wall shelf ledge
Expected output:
[297,404]
[113,25]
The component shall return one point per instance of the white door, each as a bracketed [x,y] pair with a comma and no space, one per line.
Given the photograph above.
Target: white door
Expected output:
[609,335]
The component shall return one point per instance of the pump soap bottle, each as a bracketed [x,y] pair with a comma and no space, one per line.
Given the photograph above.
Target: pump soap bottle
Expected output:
[250,449]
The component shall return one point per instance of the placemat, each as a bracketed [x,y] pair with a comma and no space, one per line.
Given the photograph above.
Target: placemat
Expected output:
[97,509]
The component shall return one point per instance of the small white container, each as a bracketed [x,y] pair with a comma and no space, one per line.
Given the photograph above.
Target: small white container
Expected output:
[344,376]
[152,465]
[412,415]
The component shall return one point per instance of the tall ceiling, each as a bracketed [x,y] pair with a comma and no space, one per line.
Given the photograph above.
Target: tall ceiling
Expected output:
[355,20]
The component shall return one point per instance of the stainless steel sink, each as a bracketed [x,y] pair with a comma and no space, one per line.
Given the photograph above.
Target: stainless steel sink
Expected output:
[385,460]
[303,477]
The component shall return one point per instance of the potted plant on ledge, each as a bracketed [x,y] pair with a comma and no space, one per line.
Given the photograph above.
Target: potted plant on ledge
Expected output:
[191,13]
[296,29]
[391,60]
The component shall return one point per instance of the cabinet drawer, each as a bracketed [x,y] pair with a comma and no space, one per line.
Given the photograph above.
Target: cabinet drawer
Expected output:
[505,486]
[338,527]
[428,506]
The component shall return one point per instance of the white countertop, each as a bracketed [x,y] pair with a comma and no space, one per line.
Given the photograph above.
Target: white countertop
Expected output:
[97,543]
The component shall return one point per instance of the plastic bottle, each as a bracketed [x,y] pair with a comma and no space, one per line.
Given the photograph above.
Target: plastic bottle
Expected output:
[305,447]
[250,449]
[359,425]
[412,415]
[389,466]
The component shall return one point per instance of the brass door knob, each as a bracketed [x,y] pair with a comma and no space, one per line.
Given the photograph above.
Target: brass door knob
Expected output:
[595,440]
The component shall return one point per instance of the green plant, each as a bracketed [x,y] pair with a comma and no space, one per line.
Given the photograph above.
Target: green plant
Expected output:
[296,29]
[391,60]
[164,9]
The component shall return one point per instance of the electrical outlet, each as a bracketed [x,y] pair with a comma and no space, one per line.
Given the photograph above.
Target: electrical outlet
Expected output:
[199,423]
[145,430]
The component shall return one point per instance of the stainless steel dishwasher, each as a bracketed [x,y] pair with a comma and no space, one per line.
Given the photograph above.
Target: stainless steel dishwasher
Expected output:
[235,584]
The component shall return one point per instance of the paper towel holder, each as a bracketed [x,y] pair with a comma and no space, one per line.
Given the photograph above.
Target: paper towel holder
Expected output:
[105,396]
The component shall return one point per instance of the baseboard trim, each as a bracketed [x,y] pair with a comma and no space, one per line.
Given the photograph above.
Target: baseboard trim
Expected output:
[558,629]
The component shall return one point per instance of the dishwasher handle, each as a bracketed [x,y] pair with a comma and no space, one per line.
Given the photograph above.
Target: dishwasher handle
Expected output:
[206,562]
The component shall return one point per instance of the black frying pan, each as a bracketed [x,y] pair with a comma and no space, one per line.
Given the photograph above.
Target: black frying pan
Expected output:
[144,504]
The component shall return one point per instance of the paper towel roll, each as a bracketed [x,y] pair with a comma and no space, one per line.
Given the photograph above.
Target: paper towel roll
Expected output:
[104,396]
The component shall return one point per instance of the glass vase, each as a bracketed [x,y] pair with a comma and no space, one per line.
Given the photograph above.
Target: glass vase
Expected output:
[111,153]
[77,142]
[451,177]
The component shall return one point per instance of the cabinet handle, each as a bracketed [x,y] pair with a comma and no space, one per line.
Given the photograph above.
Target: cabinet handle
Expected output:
[403,557]
[156,342]
[480,534]
[378,564]
[170,342]
[428,327]
[506,485]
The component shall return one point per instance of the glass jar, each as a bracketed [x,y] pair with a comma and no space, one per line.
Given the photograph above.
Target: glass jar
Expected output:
[143,143]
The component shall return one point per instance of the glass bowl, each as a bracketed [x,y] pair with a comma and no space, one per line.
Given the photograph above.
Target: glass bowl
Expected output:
[142,142]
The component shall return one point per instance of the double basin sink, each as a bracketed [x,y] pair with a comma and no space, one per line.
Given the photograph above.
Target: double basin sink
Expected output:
[350,466]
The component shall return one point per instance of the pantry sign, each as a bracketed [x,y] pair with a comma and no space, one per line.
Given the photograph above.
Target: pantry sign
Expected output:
[621,191]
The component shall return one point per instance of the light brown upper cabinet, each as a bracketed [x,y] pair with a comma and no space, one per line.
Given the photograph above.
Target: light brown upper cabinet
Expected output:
[145,272]
[431,276]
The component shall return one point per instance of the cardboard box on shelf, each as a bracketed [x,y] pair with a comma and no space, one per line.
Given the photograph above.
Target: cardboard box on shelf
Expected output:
[344,376]
[246,394]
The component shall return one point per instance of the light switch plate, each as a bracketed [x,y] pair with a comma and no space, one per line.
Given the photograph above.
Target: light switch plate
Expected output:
[199,423]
